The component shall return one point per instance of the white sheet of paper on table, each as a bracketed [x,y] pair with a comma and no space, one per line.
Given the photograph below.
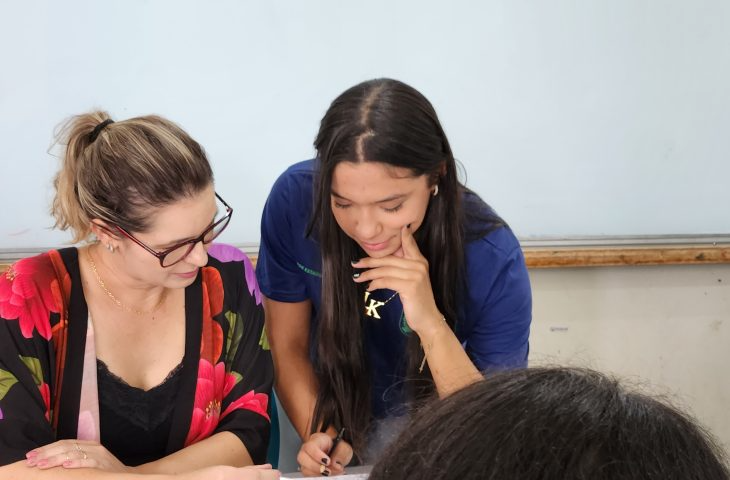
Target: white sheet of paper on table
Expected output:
[352,473]
[347,476]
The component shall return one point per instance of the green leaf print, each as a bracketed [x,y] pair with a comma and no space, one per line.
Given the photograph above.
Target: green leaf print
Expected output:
[237,376]
[34,365]
[233,339]
[7,380]
[264,340]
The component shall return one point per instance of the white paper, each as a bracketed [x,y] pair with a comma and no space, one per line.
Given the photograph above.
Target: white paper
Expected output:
[354,473]
[348,476]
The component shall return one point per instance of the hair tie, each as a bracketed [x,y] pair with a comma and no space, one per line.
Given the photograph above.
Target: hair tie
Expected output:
[97,129]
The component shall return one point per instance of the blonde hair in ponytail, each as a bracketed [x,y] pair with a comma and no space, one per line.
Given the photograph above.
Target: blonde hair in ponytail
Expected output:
[66,207]
[130,168]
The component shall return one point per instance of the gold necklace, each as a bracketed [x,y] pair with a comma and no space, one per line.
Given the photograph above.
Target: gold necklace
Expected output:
[371,309]
[119,302]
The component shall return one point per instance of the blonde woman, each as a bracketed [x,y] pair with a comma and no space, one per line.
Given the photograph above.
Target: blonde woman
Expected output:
[135,354]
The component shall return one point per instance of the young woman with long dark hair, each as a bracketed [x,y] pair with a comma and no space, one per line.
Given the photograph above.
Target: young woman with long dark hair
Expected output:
[386,279]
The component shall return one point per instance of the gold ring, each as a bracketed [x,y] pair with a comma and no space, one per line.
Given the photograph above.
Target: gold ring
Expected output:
[80,450]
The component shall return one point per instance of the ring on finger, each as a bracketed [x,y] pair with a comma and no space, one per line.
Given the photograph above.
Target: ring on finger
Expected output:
[80,450]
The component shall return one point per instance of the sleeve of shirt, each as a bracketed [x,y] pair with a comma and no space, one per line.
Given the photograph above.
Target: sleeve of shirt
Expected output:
[249,368]
[25,353]
[499,336]
[277,271]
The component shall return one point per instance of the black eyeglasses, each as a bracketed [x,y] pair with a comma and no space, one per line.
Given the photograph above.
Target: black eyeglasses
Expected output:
[177,253]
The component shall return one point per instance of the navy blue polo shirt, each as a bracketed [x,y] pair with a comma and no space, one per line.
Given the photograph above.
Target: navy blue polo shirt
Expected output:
[496,310]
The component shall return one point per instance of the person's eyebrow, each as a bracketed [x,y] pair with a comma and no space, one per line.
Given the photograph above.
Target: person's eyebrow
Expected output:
[391,198]
[172,243]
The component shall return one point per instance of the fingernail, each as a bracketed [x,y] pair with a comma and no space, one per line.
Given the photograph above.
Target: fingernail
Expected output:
[356,275]
[66,464]
[355,261]
[31,462]
[408,226]
[325,461]
[326,473]
[31,454]
[43,463]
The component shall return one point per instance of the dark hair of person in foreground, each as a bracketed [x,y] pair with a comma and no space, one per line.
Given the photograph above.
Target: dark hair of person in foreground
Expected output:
[552,423]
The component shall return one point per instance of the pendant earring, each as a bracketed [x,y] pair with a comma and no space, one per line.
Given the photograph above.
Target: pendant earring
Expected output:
[110,247]
[436,190]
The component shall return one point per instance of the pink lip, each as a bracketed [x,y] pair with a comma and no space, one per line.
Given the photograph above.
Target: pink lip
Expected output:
[188,274]
[374,246]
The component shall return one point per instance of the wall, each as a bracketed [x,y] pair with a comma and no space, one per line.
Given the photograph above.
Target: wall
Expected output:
[668,325]
[571,117]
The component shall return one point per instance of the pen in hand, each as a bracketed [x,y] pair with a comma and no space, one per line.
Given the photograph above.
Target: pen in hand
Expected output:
[337,440]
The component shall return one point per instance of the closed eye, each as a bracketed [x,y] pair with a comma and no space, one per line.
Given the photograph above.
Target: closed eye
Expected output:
[341,205]
[393,209]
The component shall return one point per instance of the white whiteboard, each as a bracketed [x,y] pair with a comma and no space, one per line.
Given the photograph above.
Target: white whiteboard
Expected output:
[572,118]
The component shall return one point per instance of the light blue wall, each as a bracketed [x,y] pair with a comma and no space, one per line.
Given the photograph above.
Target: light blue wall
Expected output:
[571,117]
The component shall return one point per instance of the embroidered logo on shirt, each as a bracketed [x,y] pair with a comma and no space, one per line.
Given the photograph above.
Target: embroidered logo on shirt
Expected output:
[404,328]
[308,270]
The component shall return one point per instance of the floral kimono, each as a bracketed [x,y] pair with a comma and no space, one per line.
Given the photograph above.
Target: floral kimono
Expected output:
[48,388]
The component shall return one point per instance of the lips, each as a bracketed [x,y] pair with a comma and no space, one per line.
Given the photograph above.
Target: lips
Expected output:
[188,274]
[374,246]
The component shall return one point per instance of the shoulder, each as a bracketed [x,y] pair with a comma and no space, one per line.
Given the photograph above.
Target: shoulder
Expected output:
[500,242]
[291,197]
[491,248]
[486,232]
[40,270]
[31,288]
[493,258]
[38,266]
[298,178]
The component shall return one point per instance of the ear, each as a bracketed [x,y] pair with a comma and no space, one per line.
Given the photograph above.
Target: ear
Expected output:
[433,180]
[105,233]
[438,175]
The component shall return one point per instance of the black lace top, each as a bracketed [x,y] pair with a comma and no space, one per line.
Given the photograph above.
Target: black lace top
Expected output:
[134,423]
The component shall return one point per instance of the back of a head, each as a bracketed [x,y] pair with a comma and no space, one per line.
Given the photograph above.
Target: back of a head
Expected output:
[120,171]
[552,424]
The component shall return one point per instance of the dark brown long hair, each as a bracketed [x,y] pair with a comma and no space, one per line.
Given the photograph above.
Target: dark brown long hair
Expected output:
[389,122]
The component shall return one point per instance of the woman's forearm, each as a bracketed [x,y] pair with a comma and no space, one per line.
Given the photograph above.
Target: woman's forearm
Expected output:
[223,448]
[296,388]
[287,326]
[21,471]
[450,366]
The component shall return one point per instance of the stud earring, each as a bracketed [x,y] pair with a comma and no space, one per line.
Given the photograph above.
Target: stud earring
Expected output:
[436,190]
[110,247]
